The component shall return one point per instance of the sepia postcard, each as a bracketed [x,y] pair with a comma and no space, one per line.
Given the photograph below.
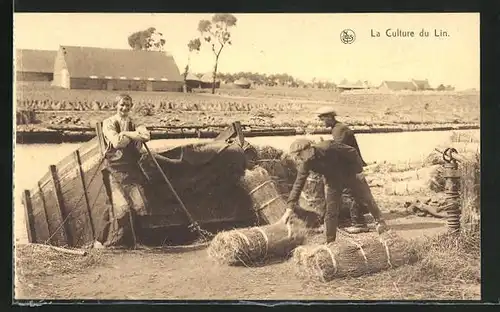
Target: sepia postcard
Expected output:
[219,156]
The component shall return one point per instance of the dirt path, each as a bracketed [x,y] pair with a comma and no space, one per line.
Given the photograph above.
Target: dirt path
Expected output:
[192,275]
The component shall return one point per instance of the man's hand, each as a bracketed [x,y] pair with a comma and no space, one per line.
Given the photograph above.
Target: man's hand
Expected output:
[286,216]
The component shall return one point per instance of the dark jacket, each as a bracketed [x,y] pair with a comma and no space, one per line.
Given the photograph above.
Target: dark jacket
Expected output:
[332,159]
[343,134]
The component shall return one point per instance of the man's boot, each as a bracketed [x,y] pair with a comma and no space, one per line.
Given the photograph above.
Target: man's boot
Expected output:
[358,221]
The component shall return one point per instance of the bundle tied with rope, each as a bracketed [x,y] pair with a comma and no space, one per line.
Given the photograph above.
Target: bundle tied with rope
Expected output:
[280,166]
[256,245]
[353,257]
[268,203]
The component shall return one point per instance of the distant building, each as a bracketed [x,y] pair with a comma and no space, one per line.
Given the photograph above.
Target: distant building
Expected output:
[243,83]
[398,85]
[192,81]
[115,69]
[34,65]
[421,84]
[345,85]
[207,81]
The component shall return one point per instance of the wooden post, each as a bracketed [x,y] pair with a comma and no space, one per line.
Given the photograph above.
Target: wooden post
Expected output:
[100,137]
[60,203]
[28,216]
[239,131]
[84,188]
[42,198]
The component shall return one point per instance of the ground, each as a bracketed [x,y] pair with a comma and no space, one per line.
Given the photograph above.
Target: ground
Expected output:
[141,274]
[192,275]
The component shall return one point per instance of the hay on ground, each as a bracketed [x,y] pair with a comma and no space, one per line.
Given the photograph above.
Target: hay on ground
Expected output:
[268,203]
[353,257]
[256,245]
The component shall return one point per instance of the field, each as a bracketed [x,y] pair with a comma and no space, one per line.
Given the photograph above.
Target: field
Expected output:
[448,266]
[286,107]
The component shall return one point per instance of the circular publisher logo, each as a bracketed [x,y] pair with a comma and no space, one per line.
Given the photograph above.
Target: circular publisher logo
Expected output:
[347,36]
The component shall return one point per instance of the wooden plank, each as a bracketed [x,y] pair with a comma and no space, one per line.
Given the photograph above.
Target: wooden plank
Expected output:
[239,132]
[85,193]
[100,136]
[28,216]
[44,207]
[60,203]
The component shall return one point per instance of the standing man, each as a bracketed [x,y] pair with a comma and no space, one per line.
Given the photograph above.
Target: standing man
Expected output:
[341,133]
[339,164]
[124,139]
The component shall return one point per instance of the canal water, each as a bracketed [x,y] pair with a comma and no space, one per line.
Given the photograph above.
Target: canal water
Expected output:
[31,161]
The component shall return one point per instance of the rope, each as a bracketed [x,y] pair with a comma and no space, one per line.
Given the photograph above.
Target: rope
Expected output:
[386,251]
[245,238]
[289,228]
[265,238]
[260,186]
[81,197]
[321,274]
[264,205]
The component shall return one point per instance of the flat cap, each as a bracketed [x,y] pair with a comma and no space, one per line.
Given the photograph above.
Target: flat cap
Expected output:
[300,145]
[326,110]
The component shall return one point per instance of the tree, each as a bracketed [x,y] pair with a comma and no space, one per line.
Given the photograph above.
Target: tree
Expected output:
[193,45]
[148,40]
[216,34]
[441,87]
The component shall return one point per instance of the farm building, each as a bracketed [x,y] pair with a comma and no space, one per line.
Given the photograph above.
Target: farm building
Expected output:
[397,85]
[243,83]
[115,69]
[192,81]
[358,85]
[34,65]
[422,84]
[207,81]
[413,85]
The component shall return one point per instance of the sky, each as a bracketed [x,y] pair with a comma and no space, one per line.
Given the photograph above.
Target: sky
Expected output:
[305,46]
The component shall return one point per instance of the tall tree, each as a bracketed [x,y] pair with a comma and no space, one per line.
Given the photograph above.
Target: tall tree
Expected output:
[148,40]
[217,35]
[193,45]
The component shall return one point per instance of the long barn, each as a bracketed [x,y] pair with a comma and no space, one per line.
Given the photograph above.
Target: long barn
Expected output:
[115,69]
[34,65]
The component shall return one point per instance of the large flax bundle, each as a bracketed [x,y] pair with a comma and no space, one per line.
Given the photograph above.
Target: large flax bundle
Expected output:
[279,165]
[353,257]
[255,245]
[313,194]
[470,186]
[269,204]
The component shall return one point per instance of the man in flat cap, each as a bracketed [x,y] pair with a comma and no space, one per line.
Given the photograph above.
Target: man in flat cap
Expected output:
[341,133]
[339,164]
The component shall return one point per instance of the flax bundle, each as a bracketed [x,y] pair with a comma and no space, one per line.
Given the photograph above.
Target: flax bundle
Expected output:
[256,245]
[349,257]
[268,203]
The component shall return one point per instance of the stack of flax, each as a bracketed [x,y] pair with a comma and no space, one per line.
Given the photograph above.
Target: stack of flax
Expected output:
[277,237]
[349,256]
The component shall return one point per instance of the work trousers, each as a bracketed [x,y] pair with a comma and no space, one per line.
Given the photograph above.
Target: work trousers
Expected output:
[128,202]
[357,208]
[361,192]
